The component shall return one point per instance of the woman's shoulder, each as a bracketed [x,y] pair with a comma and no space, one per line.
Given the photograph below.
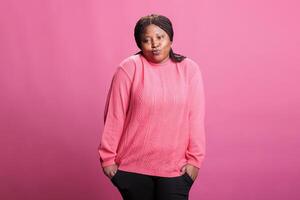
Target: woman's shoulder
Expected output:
[128,64]
[190,62]
[191,66]
[128,61]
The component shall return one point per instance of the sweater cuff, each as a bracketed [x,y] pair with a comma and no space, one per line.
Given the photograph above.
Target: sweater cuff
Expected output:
[107,163]
[195,164]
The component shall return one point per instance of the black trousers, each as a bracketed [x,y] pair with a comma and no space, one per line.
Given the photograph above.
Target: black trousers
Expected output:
[136,186]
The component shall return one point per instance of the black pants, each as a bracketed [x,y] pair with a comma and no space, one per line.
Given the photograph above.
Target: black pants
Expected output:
[135,186]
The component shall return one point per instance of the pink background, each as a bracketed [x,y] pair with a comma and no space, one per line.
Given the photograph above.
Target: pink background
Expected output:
[57,59]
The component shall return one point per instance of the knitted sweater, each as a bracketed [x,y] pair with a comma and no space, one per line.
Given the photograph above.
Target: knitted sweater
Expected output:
[154,117]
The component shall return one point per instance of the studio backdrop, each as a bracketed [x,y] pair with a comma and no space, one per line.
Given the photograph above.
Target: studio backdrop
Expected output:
[57,58]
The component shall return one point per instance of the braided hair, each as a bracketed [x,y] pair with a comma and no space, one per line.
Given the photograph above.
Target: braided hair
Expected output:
[160,21]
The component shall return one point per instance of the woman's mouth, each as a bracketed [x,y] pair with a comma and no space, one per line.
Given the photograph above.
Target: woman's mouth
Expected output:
[156,52]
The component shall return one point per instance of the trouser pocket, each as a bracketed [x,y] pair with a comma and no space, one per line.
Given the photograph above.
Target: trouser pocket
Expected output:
[114,178]
[188,179]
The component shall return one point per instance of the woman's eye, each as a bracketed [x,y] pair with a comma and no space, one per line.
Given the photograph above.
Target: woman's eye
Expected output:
[158,37]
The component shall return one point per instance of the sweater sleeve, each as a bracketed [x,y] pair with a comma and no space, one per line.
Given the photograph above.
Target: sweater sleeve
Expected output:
[196,148]
[114,116]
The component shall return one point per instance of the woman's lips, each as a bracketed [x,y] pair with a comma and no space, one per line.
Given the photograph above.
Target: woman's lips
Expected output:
[156,52]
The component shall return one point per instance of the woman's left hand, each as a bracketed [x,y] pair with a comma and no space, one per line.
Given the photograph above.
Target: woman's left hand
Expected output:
[191,170]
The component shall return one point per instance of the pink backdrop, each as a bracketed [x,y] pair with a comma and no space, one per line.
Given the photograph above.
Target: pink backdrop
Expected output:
[57,59]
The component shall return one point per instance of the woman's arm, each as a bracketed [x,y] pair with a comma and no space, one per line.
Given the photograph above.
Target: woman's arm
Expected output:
[114,116]
[196,149]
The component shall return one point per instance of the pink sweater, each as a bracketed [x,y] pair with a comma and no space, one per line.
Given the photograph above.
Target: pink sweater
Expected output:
[154,117]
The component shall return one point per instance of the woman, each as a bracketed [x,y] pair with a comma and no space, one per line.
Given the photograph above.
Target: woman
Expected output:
[153,142]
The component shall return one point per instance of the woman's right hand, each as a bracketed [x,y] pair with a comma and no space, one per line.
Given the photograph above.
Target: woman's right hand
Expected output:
[110,170]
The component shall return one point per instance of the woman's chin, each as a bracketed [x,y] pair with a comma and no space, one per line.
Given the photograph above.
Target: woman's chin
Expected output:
[158,59]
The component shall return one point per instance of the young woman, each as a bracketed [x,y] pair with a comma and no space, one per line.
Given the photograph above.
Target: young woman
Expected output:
[153,142]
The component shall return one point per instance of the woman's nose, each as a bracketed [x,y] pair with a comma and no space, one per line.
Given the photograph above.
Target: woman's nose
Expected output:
[155,44]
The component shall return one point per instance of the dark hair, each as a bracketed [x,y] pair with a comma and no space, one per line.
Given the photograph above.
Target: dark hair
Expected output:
[158,20]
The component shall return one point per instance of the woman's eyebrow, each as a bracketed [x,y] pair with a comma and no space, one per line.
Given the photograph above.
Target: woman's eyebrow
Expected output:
[156,34]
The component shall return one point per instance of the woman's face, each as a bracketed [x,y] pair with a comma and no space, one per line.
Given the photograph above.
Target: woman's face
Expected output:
[156,44]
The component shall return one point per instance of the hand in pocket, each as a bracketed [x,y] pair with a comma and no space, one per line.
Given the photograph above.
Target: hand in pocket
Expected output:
[110,171]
